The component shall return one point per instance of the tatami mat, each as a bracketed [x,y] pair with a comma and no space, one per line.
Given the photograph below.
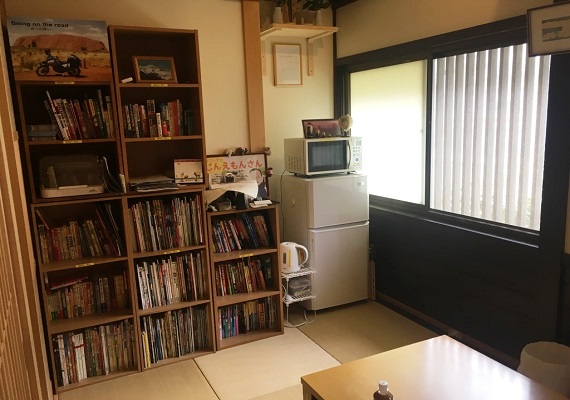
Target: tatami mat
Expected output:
[360,330]
[179,381]
[266,366]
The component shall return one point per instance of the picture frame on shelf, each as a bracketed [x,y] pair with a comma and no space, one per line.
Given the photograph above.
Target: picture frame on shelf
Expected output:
[154,69]
[287,68]
[549,29]
[188,171]
[321,128]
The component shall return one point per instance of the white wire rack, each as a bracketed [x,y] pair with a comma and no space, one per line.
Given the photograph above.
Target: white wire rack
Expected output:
[289,299]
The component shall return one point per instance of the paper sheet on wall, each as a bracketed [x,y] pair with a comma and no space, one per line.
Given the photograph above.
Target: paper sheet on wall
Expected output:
[218,189]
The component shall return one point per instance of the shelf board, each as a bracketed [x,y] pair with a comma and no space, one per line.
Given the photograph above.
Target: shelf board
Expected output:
[230,299]
[64,80]
[158,84]
[295,299]
[96,379]
[163,138]
[306,270]
[219,257]
[308,32]
[86,321]
[311,32]
[69,142]
[168,361]
[167,252]
[240,211]
[251,336]
[80,263]
[170,307]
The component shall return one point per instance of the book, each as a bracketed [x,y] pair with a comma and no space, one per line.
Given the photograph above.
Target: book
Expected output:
[110,117]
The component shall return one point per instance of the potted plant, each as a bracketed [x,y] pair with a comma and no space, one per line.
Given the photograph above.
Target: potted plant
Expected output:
[317,6]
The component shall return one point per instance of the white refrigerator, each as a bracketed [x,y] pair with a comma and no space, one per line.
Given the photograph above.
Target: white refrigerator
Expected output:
[329,216]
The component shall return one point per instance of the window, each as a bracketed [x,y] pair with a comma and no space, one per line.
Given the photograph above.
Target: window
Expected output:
[479,154]
[388,106]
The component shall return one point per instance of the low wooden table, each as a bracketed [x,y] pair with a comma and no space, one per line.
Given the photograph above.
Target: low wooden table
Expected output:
[440,369]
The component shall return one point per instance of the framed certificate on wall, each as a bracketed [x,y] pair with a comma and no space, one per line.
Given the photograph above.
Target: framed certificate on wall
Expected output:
[287,69]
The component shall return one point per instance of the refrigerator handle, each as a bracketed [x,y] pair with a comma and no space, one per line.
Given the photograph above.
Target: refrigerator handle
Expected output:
[339,227]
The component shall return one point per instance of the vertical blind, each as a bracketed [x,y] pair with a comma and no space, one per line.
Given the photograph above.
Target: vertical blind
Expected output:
[488,135]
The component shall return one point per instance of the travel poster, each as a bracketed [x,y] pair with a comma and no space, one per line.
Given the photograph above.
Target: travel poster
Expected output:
[61,49]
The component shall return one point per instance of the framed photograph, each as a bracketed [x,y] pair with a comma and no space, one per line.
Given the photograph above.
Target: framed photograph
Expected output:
[549,29]
[287,69]
[154,69]
[321,128]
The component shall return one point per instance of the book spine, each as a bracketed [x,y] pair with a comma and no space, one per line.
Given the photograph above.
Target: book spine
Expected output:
[110,117]
[78,112]
[144,126]
[151,111]
[57,116]
[100,108]
[90,106]
[137,120]
[159,130]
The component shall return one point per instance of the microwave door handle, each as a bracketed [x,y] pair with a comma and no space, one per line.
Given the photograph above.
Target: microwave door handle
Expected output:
[349,154]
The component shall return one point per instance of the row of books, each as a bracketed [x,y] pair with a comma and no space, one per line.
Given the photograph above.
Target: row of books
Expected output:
[162,224]
[90,118]
[245,231]
[243,276]
[174,334]
[156,120]
[93,352]
[248,316]
[171,280]
[92,237]
[86,295]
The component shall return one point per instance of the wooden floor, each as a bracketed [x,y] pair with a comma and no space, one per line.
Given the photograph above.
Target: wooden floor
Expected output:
[346,333]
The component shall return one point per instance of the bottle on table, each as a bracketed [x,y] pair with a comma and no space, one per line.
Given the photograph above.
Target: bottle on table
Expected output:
[382,393]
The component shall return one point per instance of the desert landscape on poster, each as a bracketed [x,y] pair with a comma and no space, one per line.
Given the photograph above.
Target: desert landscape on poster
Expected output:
[34,40]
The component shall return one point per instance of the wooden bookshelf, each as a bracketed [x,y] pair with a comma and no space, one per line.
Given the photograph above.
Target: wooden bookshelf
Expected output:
[97,276]
[233,272]
[161,121]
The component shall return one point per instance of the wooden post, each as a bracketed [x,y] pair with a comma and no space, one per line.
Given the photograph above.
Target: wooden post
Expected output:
[253,75]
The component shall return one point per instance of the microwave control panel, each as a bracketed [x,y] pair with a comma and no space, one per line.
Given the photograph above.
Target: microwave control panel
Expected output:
[356,153]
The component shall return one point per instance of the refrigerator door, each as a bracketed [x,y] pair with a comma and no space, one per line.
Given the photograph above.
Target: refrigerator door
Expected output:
[336,200]
[340,257]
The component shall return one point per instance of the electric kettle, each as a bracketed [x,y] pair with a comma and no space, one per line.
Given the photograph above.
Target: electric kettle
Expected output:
[292,256]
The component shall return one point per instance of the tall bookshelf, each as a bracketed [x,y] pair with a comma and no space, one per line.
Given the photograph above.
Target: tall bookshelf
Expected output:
[79,240]
[245,275]
[161,120]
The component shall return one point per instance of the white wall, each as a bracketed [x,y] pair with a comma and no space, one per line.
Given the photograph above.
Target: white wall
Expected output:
[220,33]
[373,24]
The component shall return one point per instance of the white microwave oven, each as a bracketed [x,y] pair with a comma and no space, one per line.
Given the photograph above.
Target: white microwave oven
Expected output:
[323,156]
